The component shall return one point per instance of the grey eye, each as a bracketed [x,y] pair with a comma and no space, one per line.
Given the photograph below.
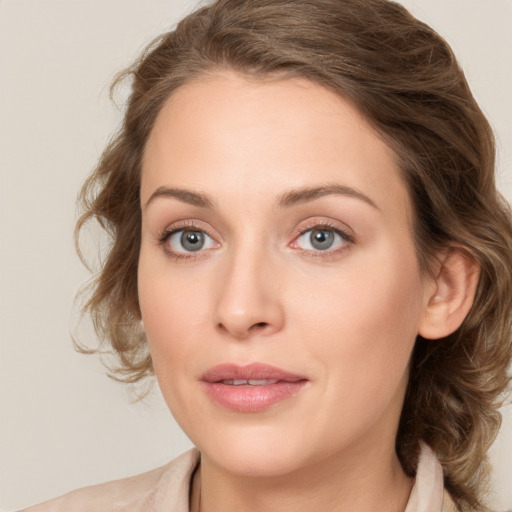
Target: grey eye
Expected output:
[321,239]
[185,241]
[192,240]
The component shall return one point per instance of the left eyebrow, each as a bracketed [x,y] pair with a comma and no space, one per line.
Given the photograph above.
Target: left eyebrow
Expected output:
[307,194]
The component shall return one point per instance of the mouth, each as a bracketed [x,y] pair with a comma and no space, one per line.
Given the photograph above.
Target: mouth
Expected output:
[251,388]
[249,382]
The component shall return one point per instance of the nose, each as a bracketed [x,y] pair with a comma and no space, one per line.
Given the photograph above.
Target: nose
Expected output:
[249,301]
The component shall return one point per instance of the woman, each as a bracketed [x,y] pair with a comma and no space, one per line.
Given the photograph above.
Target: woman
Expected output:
[310,254]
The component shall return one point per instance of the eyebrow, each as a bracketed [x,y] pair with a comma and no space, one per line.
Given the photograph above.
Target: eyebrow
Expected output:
[185,196]
[287,200]
[307,194]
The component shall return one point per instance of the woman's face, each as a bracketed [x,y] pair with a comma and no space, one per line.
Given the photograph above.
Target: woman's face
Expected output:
[277,249]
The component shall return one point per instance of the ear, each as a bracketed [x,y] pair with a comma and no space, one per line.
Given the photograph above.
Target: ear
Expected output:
[451,295]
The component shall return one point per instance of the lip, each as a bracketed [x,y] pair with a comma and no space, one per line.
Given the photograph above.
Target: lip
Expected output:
[246,397]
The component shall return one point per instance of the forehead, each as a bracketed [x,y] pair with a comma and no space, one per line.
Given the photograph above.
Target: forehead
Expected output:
[228,133]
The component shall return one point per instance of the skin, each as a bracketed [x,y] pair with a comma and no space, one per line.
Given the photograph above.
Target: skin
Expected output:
[346,317]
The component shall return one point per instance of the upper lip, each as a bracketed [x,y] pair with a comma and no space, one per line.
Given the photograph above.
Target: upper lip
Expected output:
[253,371]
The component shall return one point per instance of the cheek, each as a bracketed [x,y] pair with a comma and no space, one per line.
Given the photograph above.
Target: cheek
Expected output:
[171,314]
[172,308]
[364,318]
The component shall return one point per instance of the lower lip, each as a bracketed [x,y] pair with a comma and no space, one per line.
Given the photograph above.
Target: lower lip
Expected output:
[248,398]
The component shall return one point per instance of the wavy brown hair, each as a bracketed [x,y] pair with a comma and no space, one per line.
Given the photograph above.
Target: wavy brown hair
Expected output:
[405,79]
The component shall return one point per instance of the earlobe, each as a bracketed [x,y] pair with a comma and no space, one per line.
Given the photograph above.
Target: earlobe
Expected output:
[450,298]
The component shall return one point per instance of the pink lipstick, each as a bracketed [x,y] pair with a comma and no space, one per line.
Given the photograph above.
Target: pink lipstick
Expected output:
[251,388]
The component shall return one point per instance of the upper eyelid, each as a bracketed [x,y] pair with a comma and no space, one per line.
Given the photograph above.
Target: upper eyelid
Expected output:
[348,239]
[329,224]
[325,227]
[185,225]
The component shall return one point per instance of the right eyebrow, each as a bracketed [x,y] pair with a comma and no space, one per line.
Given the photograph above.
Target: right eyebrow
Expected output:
[307,194]
[185,196]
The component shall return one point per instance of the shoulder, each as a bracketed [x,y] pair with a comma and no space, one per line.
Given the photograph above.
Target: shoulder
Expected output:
[165,488]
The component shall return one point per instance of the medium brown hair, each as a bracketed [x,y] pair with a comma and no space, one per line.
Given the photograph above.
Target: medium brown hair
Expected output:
[405,79]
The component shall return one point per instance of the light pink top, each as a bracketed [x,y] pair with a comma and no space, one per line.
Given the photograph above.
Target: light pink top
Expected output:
[167,489]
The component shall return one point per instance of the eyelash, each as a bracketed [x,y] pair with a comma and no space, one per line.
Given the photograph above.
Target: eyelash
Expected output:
[168,233]
[326,226]
[190,226]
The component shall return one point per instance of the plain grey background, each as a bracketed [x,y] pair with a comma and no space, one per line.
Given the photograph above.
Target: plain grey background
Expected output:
[63,423]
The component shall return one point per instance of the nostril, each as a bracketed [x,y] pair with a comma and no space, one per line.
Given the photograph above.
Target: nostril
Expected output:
[243,332]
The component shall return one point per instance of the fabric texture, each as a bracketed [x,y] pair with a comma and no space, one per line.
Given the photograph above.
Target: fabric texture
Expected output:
[167,489]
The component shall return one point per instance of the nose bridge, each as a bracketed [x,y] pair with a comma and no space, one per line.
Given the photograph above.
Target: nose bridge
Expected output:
[248,299]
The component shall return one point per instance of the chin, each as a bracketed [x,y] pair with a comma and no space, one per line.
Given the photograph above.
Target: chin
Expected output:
[257,451]
[256,461]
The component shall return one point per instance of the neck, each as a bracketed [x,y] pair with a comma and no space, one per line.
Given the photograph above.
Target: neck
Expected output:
[338,483]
